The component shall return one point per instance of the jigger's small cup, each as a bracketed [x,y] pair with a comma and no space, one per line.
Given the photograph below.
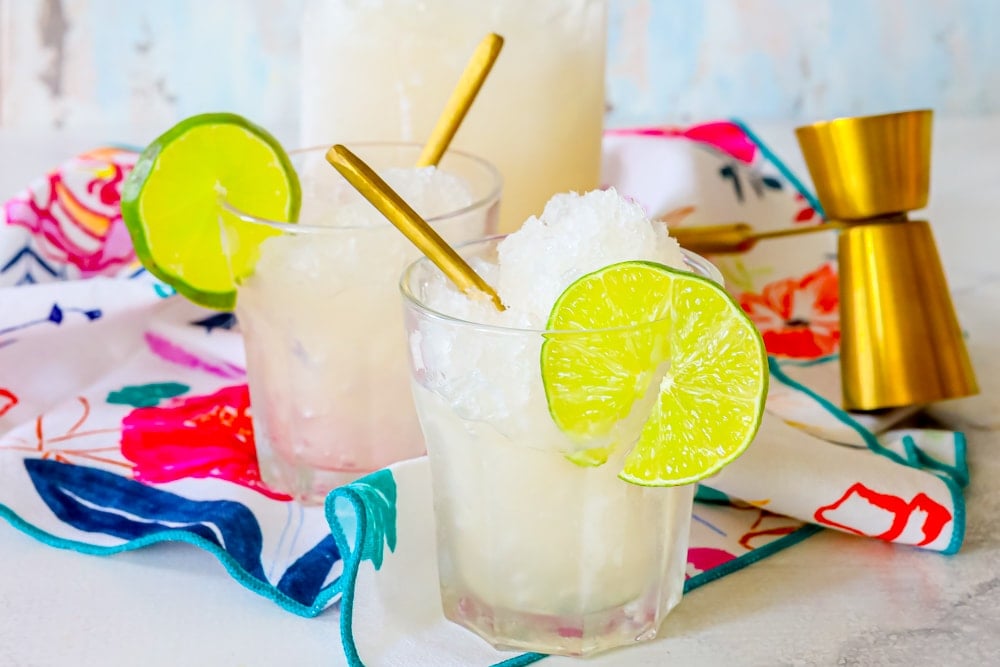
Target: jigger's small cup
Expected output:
[870,166]
[900,339]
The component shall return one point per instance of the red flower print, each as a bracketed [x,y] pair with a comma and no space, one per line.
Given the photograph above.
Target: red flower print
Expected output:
[807,213]
[863,511]
[195,436]
[7,400]
[798,317]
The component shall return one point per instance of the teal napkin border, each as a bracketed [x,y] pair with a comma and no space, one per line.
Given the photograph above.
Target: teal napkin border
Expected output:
[235,570]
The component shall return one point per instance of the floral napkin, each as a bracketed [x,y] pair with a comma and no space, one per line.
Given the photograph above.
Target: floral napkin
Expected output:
[124,412]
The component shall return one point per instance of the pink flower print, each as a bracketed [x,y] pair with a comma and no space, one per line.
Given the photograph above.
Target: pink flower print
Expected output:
[703,559]
[74,213]
[724,136]
[196,436]
[798,317]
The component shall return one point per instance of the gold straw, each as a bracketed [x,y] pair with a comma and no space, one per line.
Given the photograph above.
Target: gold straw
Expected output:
[408,221]
[461,99]
[736,237]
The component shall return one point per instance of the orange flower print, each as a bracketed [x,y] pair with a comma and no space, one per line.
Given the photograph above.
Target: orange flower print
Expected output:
[798,317]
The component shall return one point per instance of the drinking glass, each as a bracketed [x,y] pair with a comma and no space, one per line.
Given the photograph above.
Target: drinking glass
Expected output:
[535,552]
[319,312]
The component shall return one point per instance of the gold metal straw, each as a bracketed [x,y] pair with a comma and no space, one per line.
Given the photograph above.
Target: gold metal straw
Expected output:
[408,221]
[736,237]
[461,99]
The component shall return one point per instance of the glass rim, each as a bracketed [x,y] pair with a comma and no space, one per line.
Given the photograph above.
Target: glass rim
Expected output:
[294,227]
[692,259]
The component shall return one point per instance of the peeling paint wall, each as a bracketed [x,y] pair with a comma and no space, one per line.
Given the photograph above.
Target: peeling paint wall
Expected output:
[802,59]
[103,64]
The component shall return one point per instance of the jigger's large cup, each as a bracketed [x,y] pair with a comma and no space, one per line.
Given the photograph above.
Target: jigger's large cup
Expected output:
[319,310]
[902,343]
[535,552]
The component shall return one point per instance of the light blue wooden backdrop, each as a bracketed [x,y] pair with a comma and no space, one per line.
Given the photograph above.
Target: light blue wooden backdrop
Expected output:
[104,63]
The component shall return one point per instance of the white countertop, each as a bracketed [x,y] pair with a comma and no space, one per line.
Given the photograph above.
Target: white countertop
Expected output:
[833,599]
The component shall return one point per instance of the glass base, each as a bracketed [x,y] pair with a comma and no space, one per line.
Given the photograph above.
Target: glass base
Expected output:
[308,486]
[570,635]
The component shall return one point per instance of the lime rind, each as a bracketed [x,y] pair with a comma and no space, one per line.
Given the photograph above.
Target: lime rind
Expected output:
[189,215]
[691,323]
[746,394]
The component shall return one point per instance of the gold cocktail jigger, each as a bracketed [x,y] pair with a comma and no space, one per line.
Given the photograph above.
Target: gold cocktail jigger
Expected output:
[900,339]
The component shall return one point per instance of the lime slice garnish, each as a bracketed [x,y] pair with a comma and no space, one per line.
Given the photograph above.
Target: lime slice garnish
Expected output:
[643,319]
[170,200]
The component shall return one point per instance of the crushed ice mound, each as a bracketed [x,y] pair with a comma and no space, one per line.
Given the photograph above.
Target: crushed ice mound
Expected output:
[575,235]
[327,199]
